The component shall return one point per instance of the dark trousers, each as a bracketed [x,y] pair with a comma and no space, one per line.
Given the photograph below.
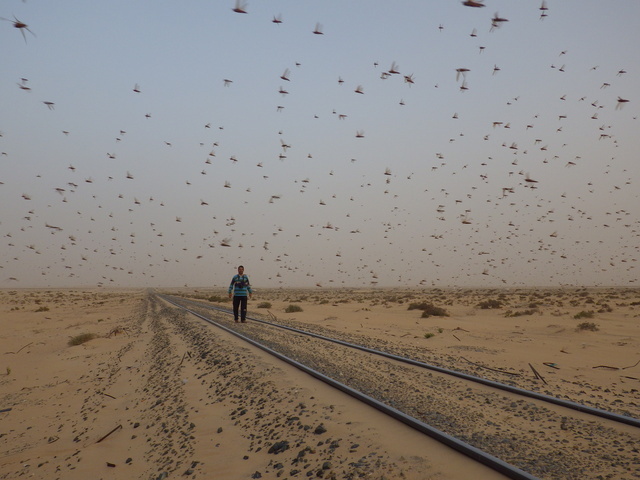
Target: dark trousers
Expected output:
[240,303]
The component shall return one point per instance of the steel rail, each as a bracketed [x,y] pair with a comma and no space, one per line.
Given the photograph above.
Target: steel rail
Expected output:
[491,383]
[474,453]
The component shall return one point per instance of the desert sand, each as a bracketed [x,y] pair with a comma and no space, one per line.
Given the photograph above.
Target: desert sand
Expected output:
[135,402]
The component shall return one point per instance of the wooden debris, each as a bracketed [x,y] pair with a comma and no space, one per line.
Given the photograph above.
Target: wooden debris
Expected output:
[22,348]
[492,369]
[117,331]
[535,372]
[184,355]
[616,368]
[112,431]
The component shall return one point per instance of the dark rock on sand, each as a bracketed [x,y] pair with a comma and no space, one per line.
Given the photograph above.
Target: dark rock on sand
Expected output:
[279,447]
[320,429]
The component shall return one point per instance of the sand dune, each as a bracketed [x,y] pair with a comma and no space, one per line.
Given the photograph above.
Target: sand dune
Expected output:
[159,395]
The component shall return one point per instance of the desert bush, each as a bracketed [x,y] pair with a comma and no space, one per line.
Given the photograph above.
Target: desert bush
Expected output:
[82,338]
[429,335]
[428,309]
[587,326]
[433,311]
[418,306]
[584,314]
[605,308]
[264,305]
[488,304]
[293,309]
[43,309]
[510,313]
[218,299]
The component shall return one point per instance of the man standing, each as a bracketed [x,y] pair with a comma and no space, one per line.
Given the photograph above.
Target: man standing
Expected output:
[240,287]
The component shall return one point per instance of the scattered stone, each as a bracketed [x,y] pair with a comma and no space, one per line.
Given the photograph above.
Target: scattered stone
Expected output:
[320,429]
[279,447]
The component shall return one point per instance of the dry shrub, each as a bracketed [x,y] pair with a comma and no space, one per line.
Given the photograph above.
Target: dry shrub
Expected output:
[433,311]
[82,338]
[587,326]
[521,313]
[489,304]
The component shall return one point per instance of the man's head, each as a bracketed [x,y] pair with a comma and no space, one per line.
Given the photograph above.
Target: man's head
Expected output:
[240,270]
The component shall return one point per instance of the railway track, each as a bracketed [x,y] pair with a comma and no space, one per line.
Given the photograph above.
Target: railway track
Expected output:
[501,452]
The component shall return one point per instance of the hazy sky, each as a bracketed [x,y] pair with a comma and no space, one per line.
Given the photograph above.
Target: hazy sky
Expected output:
[523,170]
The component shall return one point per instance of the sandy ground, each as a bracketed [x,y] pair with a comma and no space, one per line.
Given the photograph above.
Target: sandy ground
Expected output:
[134,402]
[534,327]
